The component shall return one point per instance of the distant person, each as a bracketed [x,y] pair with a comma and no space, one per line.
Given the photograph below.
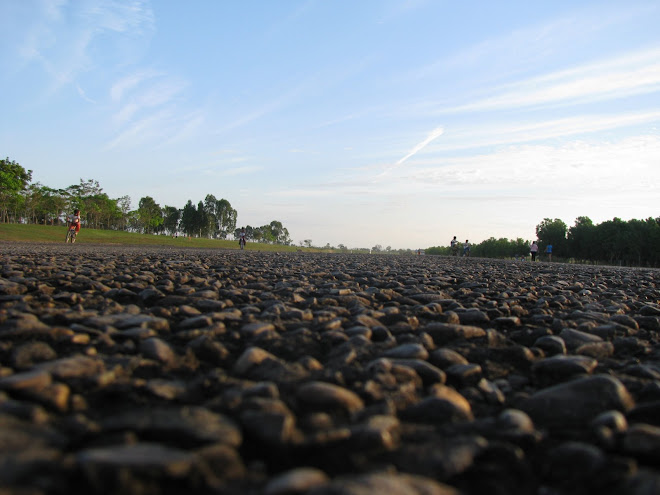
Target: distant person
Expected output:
[454,247]
[548,251]
[534,249]
[466,248]
[74,220]
[241,238]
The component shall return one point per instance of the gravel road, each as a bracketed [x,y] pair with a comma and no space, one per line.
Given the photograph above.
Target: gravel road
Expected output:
[158,370]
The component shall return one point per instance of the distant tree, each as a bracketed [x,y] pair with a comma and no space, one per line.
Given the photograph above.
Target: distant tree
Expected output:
[188,219]
[552,232]
[171,218]
[249,233]
[582,240]
[124,205]
[14,180]
[612,239]
[438,250]
[150,215]
[202,224]
[308,243]
[52,203]
[225,217]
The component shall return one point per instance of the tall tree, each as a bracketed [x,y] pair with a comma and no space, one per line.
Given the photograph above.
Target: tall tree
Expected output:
[202,226]
[210,216]
[150,215]
[189,219]
[124,205]
[171,218]
[581,239]
[552,232]
[221,215]
[226,217]
[14,179]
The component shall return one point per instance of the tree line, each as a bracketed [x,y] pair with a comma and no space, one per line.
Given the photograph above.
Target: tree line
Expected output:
[21,201]
[614,242]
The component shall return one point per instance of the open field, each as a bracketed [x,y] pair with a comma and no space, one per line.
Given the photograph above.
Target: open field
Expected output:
[46,233]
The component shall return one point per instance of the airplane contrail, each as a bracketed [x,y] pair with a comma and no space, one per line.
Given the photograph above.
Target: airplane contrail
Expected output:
[435,133]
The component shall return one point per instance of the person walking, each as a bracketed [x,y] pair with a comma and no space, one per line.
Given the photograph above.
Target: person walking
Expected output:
[534,249]
[548,251]
[454,247]
[466,249]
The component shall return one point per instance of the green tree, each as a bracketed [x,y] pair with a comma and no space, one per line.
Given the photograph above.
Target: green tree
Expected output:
[150,216]
[124,205]
[226,217]
[611,240]
[209,207]
[14,180]
[171,218]
[202,224]
[582,240]
[48,204]
[279,233]
[221,216]
[188,219]
[552,232]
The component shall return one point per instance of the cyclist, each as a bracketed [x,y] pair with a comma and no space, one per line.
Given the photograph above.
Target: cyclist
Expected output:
[73,221]
[241,238]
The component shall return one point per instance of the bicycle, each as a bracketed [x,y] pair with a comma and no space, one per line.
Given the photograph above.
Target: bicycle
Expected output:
[241,242]
[71,234]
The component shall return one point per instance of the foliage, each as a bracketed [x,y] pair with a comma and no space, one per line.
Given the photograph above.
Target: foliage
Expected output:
[220,216]
[149,215]
[630,243]
[552,232]
[14,179]
[614,242]
[171,219]
[273,233]
[23,202]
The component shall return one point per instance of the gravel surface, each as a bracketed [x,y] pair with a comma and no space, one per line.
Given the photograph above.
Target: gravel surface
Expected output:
[158,370]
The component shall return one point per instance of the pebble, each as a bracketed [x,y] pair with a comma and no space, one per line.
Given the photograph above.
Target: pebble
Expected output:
[163,370]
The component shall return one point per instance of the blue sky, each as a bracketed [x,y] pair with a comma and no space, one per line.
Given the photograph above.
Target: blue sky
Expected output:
[399,123]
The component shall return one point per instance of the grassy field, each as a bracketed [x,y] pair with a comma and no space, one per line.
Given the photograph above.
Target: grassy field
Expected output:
[47,233]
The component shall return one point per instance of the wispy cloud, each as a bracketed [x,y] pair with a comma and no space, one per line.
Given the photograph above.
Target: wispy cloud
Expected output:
[61,33]
[129,82]
[83,95]
[567,170]
[496,133]
[158,93]
[434,134]
[572,170]
[626,75]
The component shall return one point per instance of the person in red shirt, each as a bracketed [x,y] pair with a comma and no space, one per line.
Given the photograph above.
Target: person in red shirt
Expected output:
[74,220]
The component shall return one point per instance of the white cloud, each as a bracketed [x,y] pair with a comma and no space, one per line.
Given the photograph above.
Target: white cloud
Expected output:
[497,133]
[630,74]
[60,33]
[587,168]
[129,82]
[434,134]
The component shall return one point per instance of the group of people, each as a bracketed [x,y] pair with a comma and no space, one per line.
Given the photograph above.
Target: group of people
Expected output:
[455,245]
[534,251]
